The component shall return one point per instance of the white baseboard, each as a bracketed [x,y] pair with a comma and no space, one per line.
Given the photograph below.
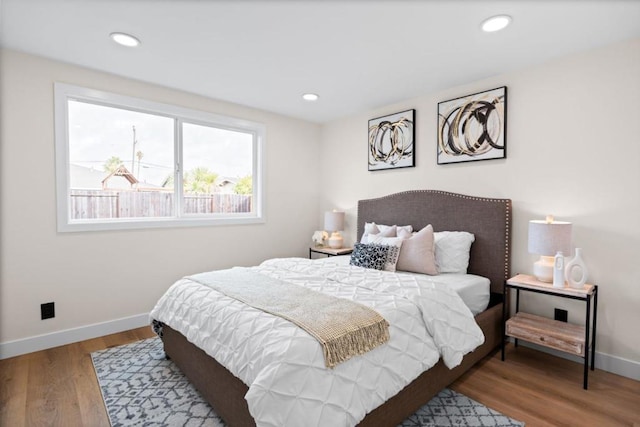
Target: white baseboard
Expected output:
[606,362]
[68,336]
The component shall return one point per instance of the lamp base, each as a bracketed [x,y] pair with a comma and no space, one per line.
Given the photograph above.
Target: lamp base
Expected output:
[336,241]
[543,269]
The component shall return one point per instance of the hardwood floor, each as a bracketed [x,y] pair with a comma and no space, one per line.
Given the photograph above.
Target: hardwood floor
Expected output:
[58,387]
[545,390]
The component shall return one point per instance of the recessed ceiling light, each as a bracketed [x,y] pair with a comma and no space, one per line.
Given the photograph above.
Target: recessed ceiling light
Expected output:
[125,39]
[310,97]
[496,23]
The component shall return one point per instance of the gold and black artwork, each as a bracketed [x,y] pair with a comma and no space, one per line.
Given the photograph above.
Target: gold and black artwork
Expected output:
[391,141]
[473,127]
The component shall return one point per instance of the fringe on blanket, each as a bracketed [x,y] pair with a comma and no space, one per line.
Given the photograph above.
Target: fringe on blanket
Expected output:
[354,343]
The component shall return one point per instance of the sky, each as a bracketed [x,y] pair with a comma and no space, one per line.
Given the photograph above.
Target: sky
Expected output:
[98,132]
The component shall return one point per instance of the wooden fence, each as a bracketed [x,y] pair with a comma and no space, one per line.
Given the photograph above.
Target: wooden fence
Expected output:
[105,204]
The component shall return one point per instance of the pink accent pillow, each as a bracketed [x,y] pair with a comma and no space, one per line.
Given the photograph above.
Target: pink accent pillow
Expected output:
[417,253]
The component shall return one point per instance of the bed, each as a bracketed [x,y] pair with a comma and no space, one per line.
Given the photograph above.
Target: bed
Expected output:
[488,219]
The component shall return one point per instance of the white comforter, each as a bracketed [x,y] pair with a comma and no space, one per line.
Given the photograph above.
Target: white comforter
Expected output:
[284,366]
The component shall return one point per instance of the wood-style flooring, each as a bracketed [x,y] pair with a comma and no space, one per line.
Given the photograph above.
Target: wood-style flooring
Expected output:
[58,387]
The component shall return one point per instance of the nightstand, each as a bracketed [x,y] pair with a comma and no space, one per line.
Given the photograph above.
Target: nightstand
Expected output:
[562,336]
[329,251]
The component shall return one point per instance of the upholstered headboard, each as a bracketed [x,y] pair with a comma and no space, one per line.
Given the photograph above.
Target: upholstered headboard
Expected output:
[488,219]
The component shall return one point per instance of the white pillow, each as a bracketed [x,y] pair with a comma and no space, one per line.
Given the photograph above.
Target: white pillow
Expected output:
[394,243]
[405,228]
[403,231]
[452,250]
[417,253]
[371,228]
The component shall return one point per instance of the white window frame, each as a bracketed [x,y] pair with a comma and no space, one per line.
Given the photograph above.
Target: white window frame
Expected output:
[65,92]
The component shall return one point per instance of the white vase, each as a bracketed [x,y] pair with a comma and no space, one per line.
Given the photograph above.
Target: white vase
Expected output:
[558,270]
[576,271]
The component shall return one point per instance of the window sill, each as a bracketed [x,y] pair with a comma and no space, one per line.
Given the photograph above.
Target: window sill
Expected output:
[145,223]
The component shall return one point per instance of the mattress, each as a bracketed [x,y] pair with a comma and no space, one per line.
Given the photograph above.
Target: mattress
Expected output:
[474,290]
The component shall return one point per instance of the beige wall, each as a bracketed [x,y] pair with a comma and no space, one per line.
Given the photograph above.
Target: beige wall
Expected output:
[101,276]
[573,151]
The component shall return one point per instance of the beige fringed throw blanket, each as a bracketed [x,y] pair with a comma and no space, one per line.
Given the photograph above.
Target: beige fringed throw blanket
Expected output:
[344,328]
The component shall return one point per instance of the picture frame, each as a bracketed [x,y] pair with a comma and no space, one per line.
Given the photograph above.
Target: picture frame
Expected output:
[473,127]
[391,141]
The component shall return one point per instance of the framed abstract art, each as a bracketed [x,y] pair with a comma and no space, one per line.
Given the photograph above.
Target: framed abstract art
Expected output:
[392,141]
[473,127]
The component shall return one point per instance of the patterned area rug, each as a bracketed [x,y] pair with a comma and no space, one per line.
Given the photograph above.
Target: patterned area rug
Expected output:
[141,388]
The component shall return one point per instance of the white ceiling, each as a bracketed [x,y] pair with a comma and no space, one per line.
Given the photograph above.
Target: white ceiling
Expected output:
[357,55]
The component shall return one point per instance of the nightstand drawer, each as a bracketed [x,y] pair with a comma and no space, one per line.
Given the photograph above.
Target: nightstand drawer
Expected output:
[549,333]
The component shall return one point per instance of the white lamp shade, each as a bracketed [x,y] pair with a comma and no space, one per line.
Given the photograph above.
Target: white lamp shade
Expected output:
[334,221]
[548,238]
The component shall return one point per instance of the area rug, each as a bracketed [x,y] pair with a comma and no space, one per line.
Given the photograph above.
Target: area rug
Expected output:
[142,388]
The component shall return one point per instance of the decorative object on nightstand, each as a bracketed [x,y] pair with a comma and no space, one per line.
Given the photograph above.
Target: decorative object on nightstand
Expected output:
[547,238]
[576,263]
[558,270]
[334,223]
[319,237]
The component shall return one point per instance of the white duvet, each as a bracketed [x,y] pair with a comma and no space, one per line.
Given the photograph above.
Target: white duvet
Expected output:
[283,365]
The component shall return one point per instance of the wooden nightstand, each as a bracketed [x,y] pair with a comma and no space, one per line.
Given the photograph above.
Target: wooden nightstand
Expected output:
[329,251]
[563,336]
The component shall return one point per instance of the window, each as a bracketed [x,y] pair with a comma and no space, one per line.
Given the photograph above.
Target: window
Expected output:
[128,163]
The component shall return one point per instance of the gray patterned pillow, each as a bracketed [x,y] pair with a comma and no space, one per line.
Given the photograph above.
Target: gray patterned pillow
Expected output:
[369,256]
[394,244]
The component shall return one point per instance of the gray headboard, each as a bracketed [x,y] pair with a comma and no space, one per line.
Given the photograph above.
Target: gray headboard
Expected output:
[488,219]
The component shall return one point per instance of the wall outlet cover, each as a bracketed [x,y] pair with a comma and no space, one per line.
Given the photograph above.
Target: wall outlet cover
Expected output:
[47,310]
[561,315]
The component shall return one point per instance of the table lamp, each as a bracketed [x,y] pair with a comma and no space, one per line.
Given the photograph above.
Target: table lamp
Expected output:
[547,238]
[334,223]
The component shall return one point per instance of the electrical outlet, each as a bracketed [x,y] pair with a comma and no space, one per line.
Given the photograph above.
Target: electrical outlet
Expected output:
[561,315]
[47,310]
